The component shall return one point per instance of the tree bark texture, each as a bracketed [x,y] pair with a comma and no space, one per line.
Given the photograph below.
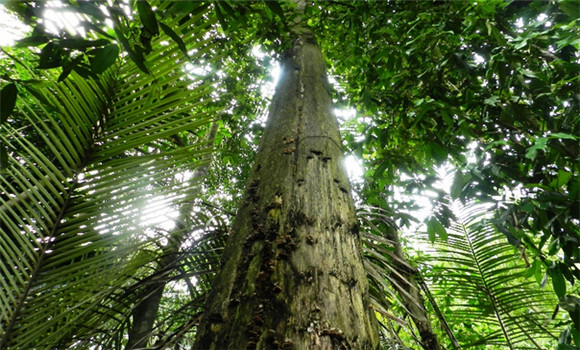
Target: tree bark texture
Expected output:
[292,275]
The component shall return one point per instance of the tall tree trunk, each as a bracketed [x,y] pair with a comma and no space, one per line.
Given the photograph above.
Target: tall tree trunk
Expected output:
[292,275]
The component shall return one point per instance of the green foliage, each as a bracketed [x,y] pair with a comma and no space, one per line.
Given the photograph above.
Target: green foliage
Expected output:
[481,286]
[86,156]
[490,87]
[110,120]
[71,51]
[104,58]
[394,292]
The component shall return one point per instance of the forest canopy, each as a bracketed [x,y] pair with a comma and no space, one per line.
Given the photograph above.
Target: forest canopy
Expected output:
[128,139]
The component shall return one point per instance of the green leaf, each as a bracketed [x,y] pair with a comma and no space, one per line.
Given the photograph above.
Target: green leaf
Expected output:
[276,8]
[104,58]
[66,70]
[441,231]
[561,135]
[435,227]
[8,97]
[182,7]
[558,282]
[31,41]
[229,10]
[380,170]
[57,143]
[438,152]
[574,187]
[483,279]
[221,18]
[50,57]
[531,271]
[176,38]
[138,59]
[457,185]
[528,207]
[576,331]
[34,91]
[570,7]
[562,179]
[78,43]
[83,72]
[554,246]
[431,234]
[492,101]
[147,17]
[91,9]
[540,144]
[488,26]
[529,73]
[153,94]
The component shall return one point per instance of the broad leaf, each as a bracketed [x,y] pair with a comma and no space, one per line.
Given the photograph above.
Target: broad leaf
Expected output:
[7,101]
[104,58]
[147,17]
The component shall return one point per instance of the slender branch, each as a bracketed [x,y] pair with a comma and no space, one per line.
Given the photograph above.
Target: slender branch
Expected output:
[218,208]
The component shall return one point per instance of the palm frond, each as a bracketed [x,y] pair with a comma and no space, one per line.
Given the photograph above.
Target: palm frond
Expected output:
[479,279]
[394,291]
[92,156]
[183,283]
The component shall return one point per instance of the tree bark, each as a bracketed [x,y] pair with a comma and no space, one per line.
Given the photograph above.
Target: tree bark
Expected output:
[292,275]
[144,315]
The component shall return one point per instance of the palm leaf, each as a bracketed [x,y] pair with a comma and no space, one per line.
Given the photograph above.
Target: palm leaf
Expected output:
[394,292]
[184,283]
[93,153]
[481,274]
